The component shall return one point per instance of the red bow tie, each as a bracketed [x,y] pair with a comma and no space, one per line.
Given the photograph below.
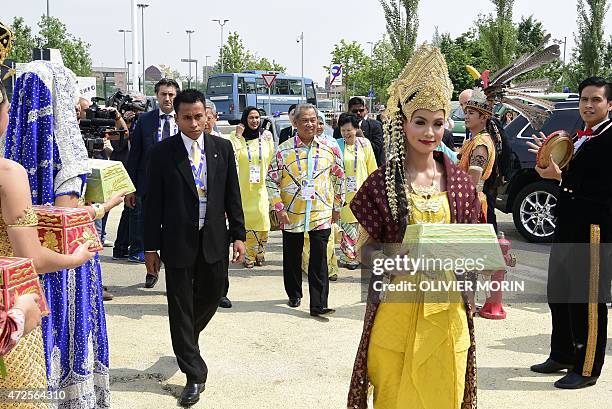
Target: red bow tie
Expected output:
[587,132]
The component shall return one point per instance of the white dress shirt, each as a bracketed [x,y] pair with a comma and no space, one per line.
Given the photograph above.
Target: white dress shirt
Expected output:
[171,119]
[188,142]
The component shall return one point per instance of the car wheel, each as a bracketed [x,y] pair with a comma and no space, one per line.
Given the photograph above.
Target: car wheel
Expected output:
[234,121]
[533,211]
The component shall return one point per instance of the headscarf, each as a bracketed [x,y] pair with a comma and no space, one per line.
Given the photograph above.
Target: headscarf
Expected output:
[249,133]
[43,134]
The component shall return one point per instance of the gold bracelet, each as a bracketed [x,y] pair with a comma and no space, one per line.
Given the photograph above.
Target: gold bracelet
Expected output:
[99,211]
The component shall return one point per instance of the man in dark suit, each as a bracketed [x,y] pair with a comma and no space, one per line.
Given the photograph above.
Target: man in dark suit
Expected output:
[192,185]
[151,128]
[579,266]
[289,131]
[372,129]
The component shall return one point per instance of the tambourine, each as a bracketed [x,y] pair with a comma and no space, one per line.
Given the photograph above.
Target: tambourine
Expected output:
[558,144]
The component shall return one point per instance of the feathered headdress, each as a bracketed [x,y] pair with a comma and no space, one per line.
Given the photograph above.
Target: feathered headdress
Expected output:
[499,87]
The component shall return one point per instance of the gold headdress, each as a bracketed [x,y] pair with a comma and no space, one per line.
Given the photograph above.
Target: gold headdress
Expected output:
[6,44]
[423,84]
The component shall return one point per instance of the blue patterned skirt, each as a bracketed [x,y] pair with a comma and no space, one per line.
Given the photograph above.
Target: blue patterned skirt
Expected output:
[76,344]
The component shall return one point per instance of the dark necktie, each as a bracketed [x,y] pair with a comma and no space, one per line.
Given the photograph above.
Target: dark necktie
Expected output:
[294,133]
[166,128]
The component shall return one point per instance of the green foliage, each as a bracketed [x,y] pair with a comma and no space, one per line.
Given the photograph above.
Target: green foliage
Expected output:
[237,58]
[591,45]
[402,27]
[355,66]
[52,34]
[464,50]
[498,34]
[24,41]
[530,33]
[75,52]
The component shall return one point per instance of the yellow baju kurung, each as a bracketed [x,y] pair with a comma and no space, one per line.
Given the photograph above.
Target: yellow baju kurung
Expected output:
[250,155]
[418,351]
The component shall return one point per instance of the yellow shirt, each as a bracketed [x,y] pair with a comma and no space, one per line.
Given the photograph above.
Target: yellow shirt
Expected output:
[366,164]
[255,203]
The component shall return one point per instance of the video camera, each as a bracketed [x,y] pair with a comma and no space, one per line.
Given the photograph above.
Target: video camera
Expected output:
[123,103]
[99,124]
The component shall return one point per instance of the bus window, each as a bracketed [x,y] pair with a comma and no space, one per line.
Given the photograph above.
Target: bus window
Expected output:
[280,87]
[295,87]
[311,97]
[241,85]
[220,86]
[261,86]
[251,88]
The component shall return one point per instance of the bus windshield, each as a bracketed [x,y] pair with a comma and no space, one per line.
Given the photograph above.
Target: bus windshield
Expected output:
[220,86]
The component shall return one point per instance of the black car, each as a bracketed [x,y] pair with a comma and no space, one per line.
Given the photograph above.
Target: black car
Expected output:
[530,198]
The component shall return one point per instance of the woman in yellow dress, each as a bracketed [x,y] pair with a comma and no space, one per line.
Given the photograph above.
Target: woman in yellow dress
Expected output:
[418,354]
[359,163]
[253,148]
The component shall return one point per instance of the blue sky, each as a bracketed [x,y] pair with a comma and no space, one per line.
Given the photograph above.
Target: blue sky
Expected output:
[268,30]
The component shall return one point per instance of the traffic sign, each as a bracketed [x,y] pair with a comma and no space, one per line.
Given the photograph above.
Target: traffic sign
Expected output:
[371,94]
[269,79]
[335,72]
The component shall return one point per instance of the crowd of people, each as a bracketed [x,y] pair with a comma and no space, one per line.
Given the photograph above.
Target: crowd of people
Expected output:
[204,199]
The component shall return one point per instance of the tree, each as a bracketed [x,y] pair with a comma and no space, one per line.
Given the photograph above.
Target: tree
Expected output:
[385,68]
[75,52]
[402,27]
[498,34]
[355,67]
[529,34]
[237,58]
[169,72]
[23,43]
[263,64]
[459,52]
[590,37]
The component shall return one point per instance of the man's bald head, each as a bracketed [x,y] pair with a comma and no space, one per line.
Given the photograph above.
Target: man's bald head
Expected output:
[464,97]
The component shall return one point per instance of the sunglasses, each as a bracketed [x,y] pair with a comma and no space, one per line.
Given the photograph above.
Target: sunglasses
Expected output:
[357,111]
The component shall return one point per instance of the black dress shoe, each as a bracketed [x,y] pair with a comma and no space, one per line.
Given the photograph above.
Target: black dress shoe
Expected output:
[321,311]
[225,303]
[574,381]
[191,394]
[150,281]
[294,302]
[550,366]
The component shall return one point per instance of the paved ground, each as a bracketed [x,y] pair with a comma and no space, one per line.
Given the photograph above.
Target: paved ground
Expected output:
[263,354]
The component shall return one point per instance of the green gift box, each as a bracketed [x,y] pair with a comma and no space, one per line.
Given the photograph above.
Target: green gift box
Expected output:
[473,247]
[107,178]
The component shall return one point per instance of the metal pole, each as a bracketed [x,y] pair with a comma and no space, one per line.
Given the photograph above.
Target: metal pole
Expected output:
[269,100]
[196,79]
[134,45]
[189,32]
[48,13]
[206,74]
[125,58]
[221,23]
[371,71]
[303,80]
[142,7]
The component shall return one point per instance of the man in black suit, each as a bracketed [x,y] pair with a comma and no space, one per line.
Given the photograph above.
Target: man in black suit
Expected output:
[372,129]
[579,267]
[289,131]
[192,185]
[151,128]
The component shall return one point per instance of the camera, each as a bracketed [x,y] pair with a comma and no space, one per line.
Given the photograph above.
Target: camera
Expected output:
[123,103]
[98,125]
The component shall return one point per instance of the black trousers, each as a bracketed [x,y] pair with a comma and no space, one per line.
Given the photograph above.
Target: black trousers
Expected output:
[318,281]
[193,297]
[491,195]
[122,241]
[570,333]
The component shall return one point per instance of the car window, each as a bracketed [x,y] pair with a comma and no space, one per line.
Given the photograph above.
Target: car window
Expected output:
[458,114]
[295,87]
[241,85]
[566,119]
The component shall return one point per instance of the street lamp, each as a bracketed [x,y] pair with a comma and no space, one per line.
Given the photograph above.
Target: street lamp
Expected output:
[564,42]
[300,40]
[371,72]
[189,33]
[143,6]
[124,55]
[206,73]
[221,23]
[48,14]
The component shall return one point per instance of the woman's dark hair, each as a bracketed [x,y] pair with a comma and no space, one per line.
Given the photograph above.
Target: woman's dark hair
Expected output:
[598,82]
[348,118]
[189,96]
[169,82]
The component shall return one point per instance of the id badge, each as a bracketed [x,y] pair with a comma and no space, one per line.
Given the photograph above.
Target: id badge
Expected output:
[254,174]
[351,184]
[308,189]
[203,202]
